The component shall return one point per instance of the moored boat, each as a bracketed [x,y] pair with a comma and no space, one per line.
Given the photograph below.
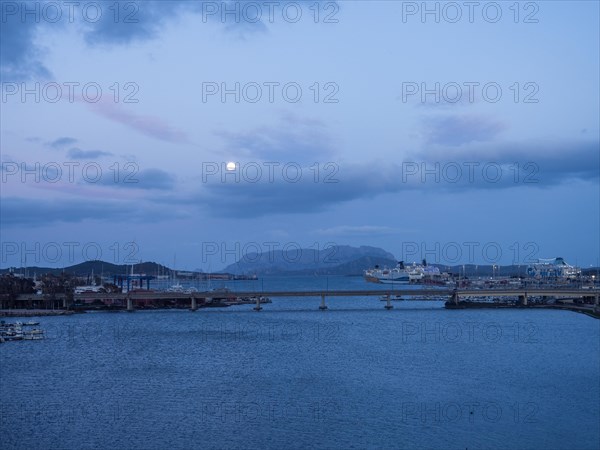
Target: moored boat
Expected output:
[398,274]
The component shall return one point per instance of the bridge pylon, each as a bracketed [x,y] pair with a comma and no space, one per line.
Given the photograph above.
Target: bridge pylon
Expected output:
[322,306]
[454,298]
[388,304]
[523,299]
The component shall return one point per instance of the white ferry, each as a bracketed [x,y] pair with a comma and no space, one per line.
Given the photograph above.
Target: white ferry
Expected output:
[398,274]
[419,272]
[88,289]
[554,268]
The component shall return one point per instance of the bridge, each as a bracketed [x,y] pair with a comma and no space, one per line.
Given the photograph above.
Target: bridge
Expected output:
[194,298]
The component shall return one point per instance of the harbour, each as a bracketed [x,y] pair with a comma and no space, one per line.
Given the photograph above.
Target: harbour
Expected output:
[311,225]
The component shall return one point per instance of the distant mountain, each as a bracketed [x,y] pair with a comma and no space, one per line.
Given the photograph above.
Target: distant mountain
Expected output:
[347,260]
[356,267]
[340,259]
[99,268]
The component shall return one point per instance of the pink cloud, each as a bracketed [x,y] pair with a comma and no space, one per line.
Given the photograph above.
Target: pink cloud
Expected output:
[148,125]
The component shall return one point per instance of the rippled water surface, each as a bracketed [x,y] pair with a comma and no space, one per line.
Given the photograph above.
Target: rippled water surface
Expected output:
[291,376]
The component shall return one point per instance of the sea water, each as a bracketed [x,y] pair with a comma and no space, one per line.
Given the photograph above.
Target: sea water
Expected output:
[292,376]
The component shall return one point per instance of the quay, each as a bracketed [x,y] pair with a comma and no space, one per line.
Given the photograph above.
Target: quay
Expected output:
[34,312]
[587,300]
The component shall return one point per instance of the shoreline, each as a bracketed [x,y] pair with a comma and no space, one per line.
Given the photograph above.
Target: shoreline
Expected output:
[474,305]
[35,312]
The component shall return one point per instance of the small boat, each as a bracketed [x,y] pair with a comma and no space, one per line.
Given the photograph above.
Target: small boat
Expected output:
[253,299]
[176,288]
[13,336]
[384,298]
[33,337]
[15,332]
[35,331]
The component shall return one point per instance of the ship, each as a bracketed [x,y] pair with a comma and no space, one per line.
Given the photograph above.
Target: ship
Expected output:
[92,289]
[553,269]
[89,289]
[398,274]
[423,273]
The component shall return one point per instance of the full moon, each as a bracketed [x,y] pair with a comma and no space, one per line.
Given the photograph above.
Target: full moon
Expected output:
[230,166]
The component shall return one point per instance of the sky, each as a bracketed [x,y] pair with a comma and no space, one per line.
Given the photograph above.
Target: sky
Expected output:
[195,133]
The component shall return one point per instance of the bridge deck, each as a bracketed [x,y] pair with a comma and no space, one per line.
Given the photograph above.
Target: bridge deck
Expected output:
[370,293]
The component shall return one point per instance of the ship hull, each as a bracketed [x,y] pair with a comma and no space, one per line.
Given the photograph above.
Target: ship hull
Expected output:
[374,279]
[397,280]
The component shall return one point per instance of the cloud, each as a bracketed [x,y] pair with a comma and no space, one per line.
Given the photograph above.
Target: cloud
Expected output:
[456,130]
[294,139]
[33,212]
[77,153]
[362,230]
[144,179]
[20,58]
[154,179]
[61,142]
[261,199]
[550,163]
[18,211]
[137,21]
[243,28]
[538,166]
[143,20]
[150,126]
[525,166]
